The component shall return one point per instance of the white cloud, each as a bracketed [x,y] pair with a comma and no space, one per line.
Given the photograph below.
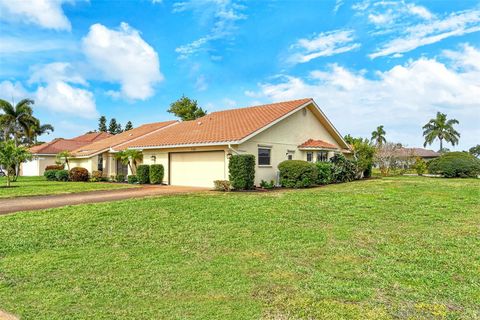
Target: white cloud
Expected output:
[201,83]
[322,45]
[415,36]
[58,90]
[420,11]
[222,14]
[12,91]
[338,4]
[403,98]
[122,55]
[45,13]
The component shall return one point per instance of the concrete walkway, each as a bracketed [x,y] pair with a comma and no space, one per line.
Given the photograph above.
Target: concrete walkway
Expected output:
[44,202]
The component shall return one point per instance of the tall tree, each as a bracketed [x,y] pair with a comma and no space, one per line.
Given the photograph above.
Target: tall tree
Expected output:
[16,119]
[475,151]
[36,130]
[128,126]
[442,129]
[119,129]
[102,124]
[378,136]
[112,127]
[186,109]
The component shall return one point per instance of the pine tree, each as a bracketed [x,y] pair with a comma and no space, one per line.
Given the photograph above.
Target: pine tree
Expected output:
[128,126]
[119,129]
[112,127]
[102,124]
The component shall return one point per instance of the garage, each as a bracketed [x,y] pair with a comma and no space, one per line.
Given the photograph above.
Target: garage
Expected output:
[197,169]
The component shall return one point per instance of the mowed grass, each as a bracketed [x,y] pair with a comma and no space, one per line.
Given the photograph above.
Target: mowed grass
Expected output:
[35,186]
[389,248]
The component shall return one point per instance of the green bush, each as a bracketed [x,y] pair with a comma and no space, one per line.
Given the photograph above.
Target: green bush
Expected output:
[121,178]
[156,174]
[267,185]
[420,166]
[97,176]
[324,172]
[50,175]
[61,175]
[143,174]
[241,169]
[132,179]
[78,174]
[455,165]
[297,173]
[343,170]
[222,185]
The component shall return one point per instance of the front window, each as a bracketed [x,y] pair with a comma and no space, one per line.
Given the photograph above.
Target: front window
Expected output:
[322,156]
[309,156]
[100,163]
[264,156]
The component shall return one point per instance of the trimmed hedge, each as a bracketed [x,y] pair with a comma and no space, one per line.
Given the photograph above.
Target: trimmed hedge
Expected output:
[143,174]
[132,179]
[50,175]
[324,172]
[455,165]
[297,173]
[61,175]
[121,178]
[241,169]
[54,167]
[78,174]
[156,173]
[344,170]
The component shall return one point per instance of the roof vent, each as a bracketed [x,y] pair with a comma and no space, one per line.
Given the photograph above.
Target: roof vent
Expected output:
[199,123]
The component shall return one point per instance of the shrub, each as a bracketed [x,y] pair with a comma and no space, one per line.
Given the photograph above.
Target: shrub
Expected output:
[78,174]
[420,166]
[343,170]
[242,171]
[297,174]
[324,172]
[156,174]
[455,164]
[121,178]
[54,167]
[132,179]
[50,175]
[113,178]
[267,185]
[97,176]
[61,175]
[143,174]
[222,185]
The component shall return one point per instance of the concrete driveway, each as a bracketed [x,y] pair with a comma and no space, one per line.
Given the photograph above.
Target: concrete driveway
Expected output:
[44,202]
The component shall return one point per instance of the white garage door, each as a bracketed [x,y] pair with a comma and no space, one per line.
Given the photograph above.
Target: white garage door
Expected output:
[197,169]
[30,168]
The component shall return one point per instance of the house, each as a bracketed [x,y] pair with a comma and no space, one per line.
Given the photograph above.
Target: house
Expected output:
[425,154]
[100,155]
[45,154]
[195,153]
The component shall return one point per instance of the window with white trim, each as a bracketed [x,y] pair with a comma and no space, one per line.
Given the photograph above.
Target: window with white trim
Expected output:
[322,156]
[264,155]
[310,156]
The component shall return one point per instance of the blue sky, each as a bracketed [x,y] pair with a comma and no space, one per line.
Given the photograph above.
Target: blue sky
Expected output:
[366,63]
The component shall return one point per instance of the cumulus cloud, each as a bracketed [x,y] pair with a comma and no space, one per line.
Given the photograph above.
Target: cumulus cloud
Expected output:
[402,98]
[121,55]
[12,90]
[322,45]
[47,14]
[221,14]
[418,35]
[61,89]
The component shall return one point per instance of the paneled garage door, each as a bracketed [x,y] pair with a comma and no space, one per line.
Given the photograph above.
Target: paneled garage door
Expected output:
[197,169]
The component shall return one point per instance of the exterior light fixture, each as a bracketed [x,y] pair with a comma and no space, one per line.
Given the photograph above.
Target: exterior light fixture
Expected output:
[153,158]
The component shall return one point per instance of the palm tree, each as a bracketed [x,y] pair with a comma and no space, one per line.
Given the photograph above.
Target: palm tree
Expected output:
[37,129]
[16,119]
[442,129]
[379,136]
[129,156]
[63,156]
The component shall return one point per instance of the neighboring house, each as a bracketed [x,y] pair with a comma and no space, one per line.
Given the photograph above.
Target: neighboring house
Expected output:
[425,154]
[195,153]
[100,155]
[45,154]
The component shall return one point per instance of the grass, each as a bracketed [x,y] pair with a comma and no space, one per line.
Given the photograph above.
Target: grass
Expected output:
[35,186]
[405,247]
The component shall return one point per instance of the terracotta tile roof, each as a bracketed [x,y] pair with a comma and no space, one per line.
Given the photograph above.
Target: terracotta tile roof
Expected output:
[119,139]
[57,145]
[222,126]
[416,152]
[310,143]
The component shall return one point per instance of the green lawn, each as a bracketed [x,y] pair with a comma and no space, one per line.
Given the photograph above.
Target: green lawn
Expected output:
[35,186]
[405,247]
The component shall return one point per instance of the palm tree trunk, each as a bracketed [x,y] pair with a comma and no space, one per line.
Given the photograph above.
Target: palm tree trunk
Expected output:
[441,144]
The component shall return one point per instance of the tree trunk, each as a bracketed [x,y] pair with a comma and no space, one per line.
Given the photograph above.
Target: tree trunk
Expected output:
[441,144]
[8,181]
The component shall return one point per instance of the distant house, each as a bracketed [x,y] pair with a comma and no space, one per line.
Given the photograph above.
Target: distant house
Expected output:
[45,154]
[425,154]
[197,152]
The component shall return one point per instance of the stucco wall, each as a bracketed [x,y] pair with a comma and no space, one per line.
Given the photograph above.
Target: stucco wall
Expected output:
[284,136]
